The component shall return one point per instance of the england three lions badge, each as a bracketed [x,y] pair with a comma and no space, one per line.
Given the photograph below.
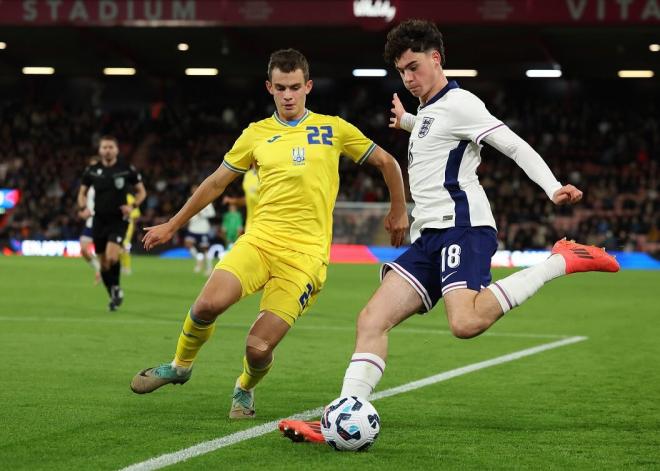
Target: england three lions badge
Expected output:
[424,128]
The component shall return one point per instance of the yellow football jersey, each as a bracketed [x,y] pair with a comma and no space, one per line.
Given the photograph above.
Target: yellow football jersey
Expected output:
[251,190]
[298,168]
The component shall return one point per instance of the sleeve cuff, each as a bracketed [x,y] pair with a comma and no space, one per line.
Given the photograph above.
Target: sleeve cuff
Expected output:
[407,122]
[232,168]
[366,155]
[552,189]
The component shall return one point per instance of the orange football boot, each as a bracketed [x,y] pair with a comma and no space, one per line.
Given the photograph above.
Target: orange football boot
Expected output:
[302,431]
[580,258]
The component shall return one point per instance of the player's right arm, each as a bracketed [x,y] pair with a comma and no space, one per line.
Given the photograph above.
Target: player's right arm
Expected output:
[83,211]
[400,118]
[235,163]
[210,189]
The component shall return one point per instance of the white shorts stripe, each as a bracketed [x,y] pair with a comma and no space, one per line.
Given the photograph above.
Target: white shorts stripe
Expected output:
[414,282]
[453,286]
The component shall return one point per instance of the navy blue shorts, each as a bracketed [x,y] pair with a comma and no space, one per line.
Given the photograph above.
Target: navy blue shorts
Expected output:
[201,240]
[87,232]
[442,260]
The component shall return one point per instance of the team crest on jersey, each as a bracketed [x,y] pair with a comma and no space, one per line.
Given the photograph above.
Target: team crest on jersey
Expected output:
[298,155]
[119,183]
[426,125]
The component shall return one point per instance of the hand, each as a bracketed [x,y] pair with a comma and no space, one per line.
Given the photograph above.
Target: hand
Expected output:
[397,110]
[228,200]
[84,213]
[157,235]
[567,194]
[396,223]
[126,209]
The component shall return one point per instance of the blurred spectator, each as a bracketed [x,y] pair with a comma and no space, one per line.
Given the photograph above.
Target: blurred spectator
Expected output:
[600,143]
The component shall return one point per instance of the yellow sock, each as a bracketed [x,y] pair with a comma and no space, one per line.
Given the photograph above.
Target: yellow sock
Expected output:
[193,335]
[125,259]
[251,375]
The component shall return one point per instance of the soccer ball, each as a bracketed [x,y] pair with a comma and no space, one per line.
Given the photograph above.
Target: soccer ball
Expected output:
[350,424]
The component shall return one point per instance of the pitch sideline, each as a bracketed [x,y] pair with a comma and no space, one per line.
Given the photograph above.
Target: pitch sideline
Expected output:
[203,448]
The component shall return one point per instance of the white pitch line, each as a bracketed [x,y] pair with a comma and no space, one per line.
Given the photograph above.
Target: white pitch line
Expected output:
[128,321]
[253,432]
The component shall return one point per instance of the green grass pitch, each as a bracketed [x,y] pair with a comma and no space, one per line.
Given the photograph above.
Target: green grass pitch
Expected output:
[67,363]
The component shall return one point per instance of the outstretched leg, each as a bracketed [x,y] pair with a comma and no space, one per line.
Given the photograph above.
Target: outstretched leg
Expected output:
[220,292]
[470,313]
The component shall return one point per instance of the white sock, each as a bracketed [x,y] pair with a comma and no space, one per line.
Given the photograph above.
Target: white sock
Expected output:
[94,263]
[180,370]
[513,290]
[362,375]
[193,252]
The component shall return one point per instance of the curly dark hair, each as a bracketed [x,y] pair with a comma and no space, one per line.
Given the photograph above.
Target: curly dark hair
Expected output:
[416,35]
[288,60]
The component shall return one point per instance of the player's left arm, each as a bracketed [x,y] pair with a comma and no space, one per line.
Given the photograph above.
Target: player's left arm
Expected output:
[513,146]
[140,192]
[396,221]
[140,195]
[471,120]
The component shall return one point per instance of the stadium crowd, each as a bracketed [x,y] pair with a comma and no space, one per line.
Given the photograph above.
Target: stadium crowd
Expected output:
[603,146]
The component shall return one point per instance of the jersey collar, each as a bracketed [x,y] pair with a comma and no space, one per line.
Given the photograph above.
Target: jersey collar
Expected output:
[451,84]
[293,123]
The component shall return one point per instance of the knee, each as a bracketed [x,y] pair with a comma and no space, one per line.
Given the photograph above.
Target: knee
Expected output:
[208,308]
[369,323]
[258,352]
[465,326]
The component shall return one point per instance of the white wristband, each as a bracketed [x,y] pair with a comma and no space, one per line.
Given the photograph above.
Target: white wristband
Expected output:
[407,122]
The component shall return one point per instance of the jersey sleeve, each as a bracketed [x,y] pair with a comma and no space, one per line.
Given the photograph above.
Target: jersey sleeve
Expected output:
[87,177]
[471,120]
[354,144]
[135,176]
[240,156]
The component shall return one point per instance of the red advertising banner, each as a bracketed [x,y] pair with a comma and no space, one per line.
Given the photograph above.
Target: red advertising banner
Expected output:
[365,13]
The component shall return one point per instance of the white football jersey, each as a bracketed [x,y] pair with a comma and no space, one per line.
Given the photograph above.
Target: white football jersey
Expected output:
[443,156]
[199,223]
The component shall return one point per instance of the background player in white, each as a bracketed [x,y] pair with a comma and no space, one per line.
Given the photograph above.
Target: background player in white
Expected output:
[453,232]
[198,237]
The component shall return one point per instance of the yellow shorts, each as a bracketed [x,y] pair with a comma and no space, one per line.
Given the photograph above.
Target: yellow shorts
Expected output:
[291,280]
